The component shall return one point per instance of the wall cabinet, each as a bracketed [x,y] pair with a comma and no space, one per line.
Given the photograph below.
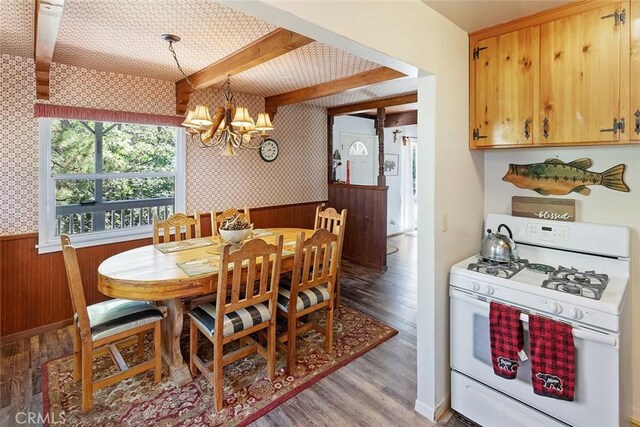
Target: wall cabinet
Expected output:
[634,75]
[566,76]
[505,70]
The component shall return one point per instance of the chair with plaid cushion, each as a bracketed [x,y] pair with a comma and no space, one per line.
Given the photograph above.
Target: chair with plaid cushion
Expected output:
[100,328]
[311,288]
[245,303]
[335,222]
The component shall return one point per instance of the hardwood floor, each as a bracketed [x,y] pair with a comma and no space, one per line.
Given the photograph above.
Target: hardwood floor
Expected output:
[377,389]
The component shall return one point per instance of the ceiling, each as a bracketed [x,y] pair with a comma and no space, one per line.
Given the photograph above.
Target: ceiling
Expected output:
[474,15]
[123,36]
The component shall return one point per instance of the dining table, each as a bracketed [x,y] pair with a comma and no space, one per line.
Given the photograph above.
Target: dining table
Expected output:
[174,273]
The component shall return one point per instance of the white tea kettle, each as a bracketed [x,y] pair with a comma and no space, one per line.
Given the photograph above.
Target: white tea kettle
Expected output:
[499,247]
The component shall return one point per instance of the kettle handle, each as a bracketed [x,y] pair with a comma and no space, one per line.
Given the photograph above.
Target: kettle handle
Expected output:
[508,229]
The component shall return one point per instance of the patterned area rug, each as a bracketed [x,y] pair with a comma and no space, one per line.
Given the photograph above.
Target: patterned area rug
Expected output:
[248,394]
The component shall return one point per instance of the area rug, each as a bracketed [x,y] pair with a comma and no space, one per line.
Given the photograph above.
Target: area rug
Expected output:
[248,394]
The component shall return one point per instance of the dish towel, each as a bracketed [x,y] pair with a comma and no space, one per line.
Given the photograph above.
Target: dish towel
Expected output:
[552,354]
[507,339]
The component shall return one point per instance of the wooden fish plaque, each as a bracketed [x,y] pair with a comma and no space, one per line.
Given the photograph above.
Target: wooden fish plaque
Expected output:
[544,208]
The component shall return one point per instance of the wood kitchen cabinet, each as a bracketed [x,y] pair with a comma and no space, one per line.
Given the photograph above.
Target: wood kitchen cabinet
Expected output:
[634,75]
[580,76]
[505,69]
[576,78]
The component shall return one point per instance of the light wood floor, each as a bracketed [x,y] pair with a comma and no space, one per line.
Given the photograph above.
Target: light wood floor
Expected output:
[377,389]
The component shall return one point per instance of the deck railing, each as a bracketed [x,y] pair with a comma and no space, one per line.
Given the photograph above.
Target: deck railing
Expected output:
[89,217]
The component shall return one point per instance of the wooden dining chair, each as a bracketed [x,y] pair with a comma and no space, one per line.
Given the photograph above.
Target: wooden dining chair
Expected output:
[248,306]
[311,289]
[101,328]
[175,222]
[218,219]
[329,219]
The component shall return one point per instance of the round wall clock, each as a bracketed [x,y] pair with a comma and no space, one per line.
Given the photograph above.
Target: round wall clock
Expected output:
[269,150]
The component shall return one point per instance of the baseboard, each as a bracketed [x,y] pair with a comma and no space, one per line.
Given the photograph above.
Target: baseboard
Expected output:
[425,410]
[443,407]
[35,331]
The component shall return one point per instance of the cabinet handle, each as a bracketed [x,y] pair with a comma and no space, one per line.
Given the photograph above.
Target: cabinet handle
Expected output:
[614,128]
[637,115]
[476,135]
[619,17]
[527,133]
[545,128]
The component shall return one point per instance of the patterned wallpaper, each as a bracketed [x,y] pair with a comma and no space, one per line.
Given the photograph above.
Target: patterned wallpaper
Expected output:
[297,176]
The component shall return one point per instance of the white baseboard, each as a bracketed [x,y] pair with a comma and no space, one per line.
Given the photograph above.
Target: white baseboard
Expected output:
[425,410]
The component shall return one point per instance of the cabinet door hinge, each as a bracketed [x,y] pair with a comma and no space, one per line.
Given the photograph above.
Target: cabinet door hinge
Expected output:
[476,135]
[619,17]
[476,52]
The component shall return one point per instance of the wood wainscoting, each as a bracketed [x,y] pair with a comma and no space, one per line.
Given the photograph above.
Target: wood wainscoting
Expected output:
[34,296]
[365,238]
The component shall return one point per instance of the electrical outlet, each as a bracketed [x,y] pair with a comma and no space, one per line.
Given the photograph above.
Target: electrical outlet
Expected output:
[445,222]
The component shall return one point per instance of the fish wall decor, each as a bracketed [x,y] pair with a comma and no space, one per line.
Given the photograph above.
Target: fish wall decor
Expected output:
[557,177]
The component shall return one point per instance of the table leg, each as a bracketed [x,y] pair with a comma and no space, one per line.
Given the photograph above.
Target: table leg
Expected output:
[171,330]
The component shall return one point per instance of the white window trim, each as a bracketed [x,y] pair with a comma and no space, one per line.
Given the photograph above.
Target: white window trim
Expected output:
[47,242]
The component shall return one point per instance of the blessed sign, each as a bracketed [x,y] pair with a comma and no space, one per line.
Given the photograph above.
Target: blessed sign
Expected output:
[544,208]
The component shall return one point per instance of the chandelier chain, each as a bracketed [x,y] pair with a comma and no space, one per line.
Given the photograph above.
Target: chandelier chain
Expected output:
[175,57]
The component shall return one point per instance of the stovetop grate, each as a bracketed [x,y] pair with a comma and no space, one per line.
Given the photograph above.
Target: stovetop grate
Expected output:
[588,284]
[505,270]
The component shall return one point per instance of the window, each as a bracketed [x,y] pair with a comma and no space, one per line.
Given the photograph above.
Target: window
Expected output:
[102,182]
[357,148]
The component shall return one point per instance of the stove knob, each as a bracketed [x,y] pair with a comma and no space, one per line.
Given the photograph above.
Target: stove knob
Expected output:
[576,313]
[475,286]
[556,308]
[490,290]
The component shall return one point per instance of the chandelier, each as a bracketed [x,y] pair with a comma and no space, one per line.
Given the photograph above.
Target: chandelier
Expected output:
[230,128]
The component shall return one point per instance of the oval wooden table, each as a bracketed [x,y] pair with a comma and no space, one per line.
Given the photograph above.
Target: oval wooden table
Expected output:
[146,273]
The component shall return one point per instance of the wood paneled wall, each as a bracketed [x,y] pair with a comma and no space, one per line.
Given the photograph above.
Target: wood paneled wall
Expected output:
[33,288]
[365,239]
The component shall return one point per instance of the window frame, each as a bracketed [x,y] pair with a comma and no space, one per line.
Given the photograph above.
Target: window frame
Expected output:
[48,242]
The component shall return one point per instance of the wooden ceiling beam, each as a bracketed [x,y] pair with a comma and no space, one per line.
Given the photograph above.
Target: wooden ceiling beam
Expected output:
[270,46]
[373,105]
[48,15]
[333,87]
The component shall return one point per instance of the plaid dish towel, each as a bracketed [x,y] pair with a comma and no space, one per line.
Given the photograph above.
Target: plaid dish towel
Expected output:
[507,339]
[552,355]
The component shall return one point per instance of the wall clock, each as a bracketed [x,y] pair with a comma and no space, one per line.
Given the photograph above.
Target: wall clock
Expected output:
[269,150]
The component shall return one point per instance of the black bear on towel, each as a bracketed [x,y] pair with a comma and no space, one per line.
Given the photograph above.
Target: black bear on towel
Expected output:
[507,364]
[550,381]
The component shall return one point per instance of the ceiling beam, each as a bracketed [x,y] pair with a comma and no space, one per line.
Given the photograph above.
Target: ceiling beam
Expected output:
[406,118]
[373,105]
[272,45]
[333,87]
[48,15]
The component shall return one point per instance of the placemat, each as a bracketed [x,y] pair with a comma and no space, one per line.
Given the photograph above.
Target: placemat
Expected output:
[183,245]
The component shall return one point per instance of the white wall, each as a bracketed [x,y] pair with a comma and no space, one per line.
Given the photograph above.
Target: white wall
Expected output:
[448,173]
[399,198]
[601,206]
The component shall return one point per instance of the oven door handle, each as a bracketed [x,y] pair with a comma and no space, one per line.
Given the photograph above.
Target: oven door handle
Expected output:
[578,332]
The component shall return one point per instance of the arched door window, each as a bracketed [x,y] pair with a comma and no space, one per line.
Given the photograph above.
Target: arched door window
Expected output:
[357,148]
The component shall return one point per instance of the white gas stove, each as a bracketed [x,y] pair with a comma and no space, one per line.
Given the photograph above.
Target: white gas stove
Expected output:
[576,273]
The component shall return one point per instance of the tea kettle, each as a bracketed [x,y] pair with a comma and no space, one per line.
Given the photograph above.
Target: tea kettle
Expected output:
[498,247]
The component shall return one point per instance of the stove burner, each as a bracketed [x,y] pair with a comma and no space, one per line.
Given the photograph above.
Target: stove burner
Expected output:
[588,284]
[506,270]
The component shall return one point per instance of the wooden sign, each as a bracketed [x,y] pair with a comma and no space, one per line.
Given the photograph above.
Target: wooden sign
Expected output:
[544,208]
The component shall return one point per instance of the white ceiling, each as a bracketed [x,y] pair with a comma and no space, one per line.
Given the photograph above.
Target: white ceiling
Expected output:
[474,15]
